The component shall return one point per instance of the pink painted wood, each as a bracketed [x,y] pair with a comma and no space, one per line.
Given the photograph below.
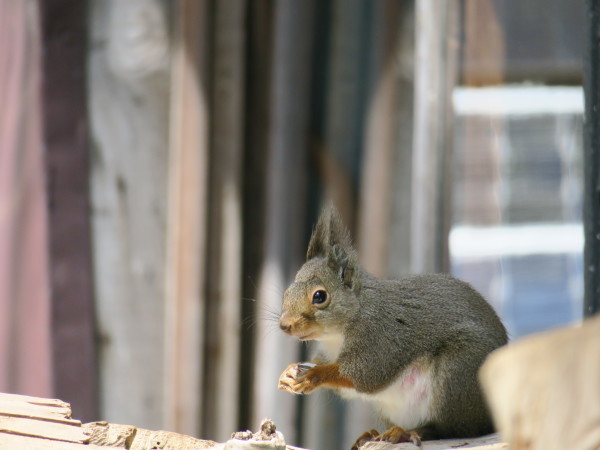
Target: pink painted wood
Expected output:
[25,361]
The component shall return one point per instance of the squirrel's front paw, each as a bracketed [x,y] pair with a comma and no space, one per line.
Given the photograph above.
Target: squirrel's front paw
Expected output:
[298,379]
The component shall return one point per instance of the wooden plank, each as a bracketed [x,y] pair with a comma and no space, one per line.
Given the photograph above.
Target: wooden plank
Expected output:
[399,253]
[380,141]
[547,56]
[186,228]
[436,50]
[12,441]
[34,412]
[36,408]
[258,75]
[383,232]
[223,325]
[66,144]
[44,429]
[42,401]
[544,390]
[286,202]
[479,19]
[343,38]
[25,345]
[129,112]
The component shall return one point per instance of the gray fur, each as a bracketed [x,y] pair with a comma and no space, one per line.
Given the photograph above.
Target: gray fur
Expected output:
[388,324]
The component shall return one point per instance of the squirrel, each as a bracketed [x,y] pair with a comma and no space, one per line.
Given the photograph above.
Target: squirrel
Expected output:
[412,347]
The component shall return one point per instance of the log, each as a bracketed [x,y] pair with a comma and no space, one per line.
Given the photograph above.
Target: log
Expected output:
[106,434]
[544,391]
[40,423]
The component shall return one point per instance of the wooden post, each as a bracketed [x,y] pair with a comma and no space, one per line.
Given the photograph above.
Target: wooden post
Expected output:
[25,333]
[186,229]
[384,209]
[224,261]
[66,142]
[284,246]
[129,118]
[400,215]
[257,108]
[436,51]
[591,164]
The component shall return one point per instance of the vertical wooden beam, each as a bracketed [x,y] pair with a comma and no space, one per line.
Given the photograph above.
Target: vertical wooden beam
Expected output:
[591,164]
[258,86]
[129,118]
[344,103]
[345,79]
[399,253]
[186,227]
[25,334]
[284,246]
[384,209]
[380,140]
[436,50]
[66,138]
[223,325]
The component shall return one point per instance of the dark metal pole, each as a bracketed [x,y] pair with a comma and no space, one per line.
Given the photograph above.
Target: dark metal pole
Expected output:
[591,202]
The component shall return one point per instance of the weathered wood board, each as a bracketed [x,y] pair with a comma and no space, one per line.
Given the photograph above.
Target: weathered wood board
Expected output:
[39,423]
[544,391]
[32,422]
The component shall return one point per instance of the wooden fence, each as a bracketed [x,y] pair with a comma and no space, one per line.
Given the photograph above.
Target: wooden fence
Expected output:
[178,153]
[188,147]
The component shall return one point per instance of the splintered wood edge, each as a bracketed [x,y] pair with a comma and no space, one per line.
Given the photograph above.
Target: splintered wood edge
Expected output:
[43,429]
[64,407]
[34,400]
[35,411]
[36,408]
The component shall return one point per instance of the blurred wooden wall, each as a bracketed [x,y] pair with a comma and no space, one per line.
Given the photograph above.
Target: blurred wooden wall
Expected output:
[47,341]
[209,133]
[25,335]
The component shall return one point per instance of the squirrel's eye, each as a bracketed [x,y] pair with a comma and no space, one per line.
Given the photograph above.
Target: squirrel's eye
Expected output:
[319,297]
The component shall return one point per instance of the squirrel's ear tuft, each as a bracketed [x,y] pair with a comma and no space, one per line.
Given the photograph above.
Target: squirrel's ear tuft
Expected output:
[331,239]
[318,244]
[330,231]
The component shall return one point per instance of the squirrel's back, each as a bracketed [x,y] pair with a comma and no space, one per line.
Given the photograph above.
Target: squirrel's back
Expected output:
[438,301]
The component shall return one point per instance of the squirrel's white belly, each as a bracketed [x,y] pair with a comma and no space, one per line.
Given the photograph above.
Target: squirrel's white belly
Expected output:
[407,401]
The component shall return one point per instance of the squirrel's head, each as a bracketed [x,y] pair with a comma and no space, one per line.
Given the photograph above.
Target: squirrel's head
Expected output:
[324,294]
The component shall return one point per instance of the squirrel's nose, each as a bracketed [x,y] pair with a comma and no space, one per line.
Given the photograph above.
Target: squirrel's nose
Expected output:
[285,325]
